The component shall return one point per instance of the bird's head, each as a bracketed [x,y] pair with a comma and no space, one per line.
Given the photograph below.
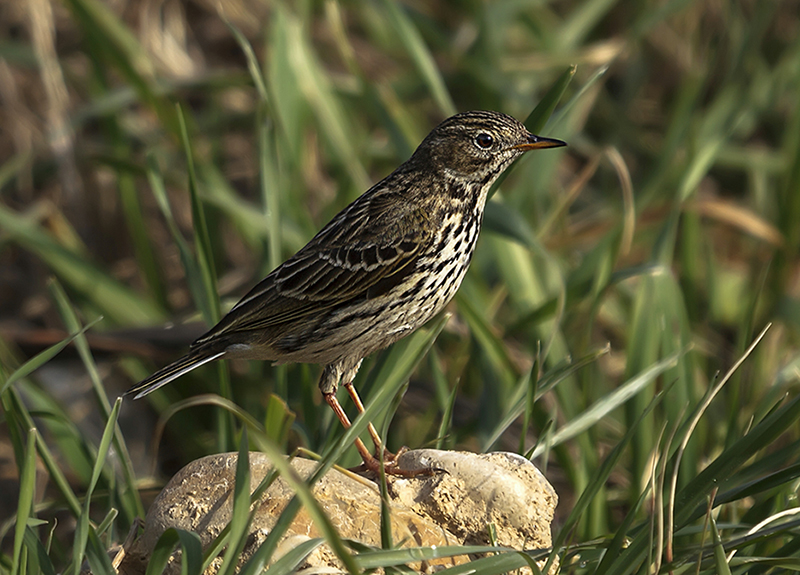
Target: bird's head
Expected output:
[478,146]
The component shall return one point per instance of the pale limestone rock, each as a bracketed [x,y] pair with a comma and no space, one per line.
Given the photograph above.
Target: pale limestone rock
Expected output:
[476,489]
[447,508]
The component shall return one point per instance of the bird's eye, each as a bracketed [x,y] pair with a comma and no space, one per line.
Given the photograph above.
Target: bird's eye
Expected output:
[484,140]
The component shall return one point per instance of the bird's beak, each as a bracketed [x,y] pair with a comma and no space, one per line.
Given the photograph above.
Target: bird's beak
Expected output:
[538,143]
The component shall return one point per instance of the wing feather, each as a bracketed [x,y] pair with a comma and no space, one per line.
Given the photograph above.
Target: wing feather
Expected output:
[361,254]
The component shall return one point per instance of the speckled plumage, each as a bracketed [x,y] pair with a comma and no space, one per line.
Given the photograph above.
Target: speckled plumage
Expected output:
[381,268]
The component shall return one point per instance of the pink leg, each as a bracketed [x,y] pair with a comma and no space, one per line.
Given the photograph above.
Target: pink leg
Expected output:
[370,462]
[376,439]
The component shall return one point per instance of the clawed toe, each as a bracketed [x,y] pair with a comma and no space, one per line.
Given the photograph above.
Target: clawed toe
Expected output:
[391,465]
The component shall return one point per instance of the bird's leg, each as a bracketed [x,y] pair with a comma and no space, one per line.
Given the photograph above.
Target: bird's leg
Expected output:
[376,439]
[330,399]
[347,378]
[328,385]
[370,461]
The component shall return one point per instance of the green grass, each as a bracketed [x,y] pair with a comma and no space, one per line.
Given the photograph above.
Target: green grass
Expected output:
[616,286]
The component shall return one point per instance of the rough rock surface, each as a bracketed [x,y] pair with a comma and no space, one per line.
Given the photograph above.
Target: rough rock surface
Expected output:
[501,488]
[442,509]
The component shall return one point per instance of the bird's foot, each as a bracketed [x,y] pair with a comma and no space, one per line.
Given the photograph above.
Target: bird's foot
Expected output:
[391,465]
[388,456]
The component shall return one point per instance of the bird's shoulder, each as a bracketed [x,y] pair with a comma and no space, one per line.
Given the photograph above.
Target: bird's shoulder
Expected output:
[375,236]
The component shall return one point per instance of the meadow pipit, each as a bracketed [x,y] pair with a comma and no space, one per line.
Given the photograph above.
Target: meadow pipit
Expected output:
[380,269]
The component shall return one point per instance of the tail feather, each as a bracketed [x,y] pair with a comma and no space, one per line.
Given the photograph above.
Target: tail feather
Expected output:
[171,372]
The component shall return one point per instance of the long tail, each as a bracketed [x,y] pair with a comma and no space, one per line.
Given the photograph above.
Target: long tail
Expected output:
[173,371]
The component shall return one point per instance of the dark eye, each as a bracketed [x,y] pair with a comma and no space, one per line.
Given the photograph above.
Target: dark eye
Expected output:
[484,140]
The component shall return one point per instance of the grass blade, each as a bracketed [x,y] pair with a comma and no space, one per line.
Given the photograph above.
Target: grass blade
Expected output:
[522,399]
[83,527]
[117,302]
[316,88]
[38,560]
[209,304]
[689,500]
[287,563]
[537,119]
[414,44]
[720,562]
[240,516]
[112,40]
[191,552]
[130,496]
[610,402]
[382,558]
[43,357]
[27,488]
[598,480]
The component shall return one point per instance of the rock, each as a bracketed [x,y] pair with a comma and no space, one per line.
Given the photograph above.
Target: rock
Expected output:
[442,509]
[477,489]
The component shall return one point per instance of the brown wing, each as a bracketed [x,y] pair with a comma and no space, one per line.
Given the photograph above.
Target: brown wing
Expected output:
[361,254]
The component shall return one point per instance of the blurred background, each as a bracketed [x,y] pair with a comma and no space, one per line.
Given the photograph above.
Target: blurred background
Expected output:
[156,153]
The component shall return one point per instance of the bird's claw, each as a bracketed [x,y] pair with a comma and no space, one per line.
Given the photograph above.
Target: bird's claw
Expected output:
[391,465]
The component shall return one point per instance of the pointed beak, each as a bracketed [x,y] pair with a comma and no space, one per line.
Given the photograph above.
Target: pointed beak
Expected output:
[538,143]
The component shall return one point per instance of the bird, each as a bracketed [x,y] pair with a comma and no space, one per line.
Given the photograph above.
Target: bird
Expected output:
[381,268]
